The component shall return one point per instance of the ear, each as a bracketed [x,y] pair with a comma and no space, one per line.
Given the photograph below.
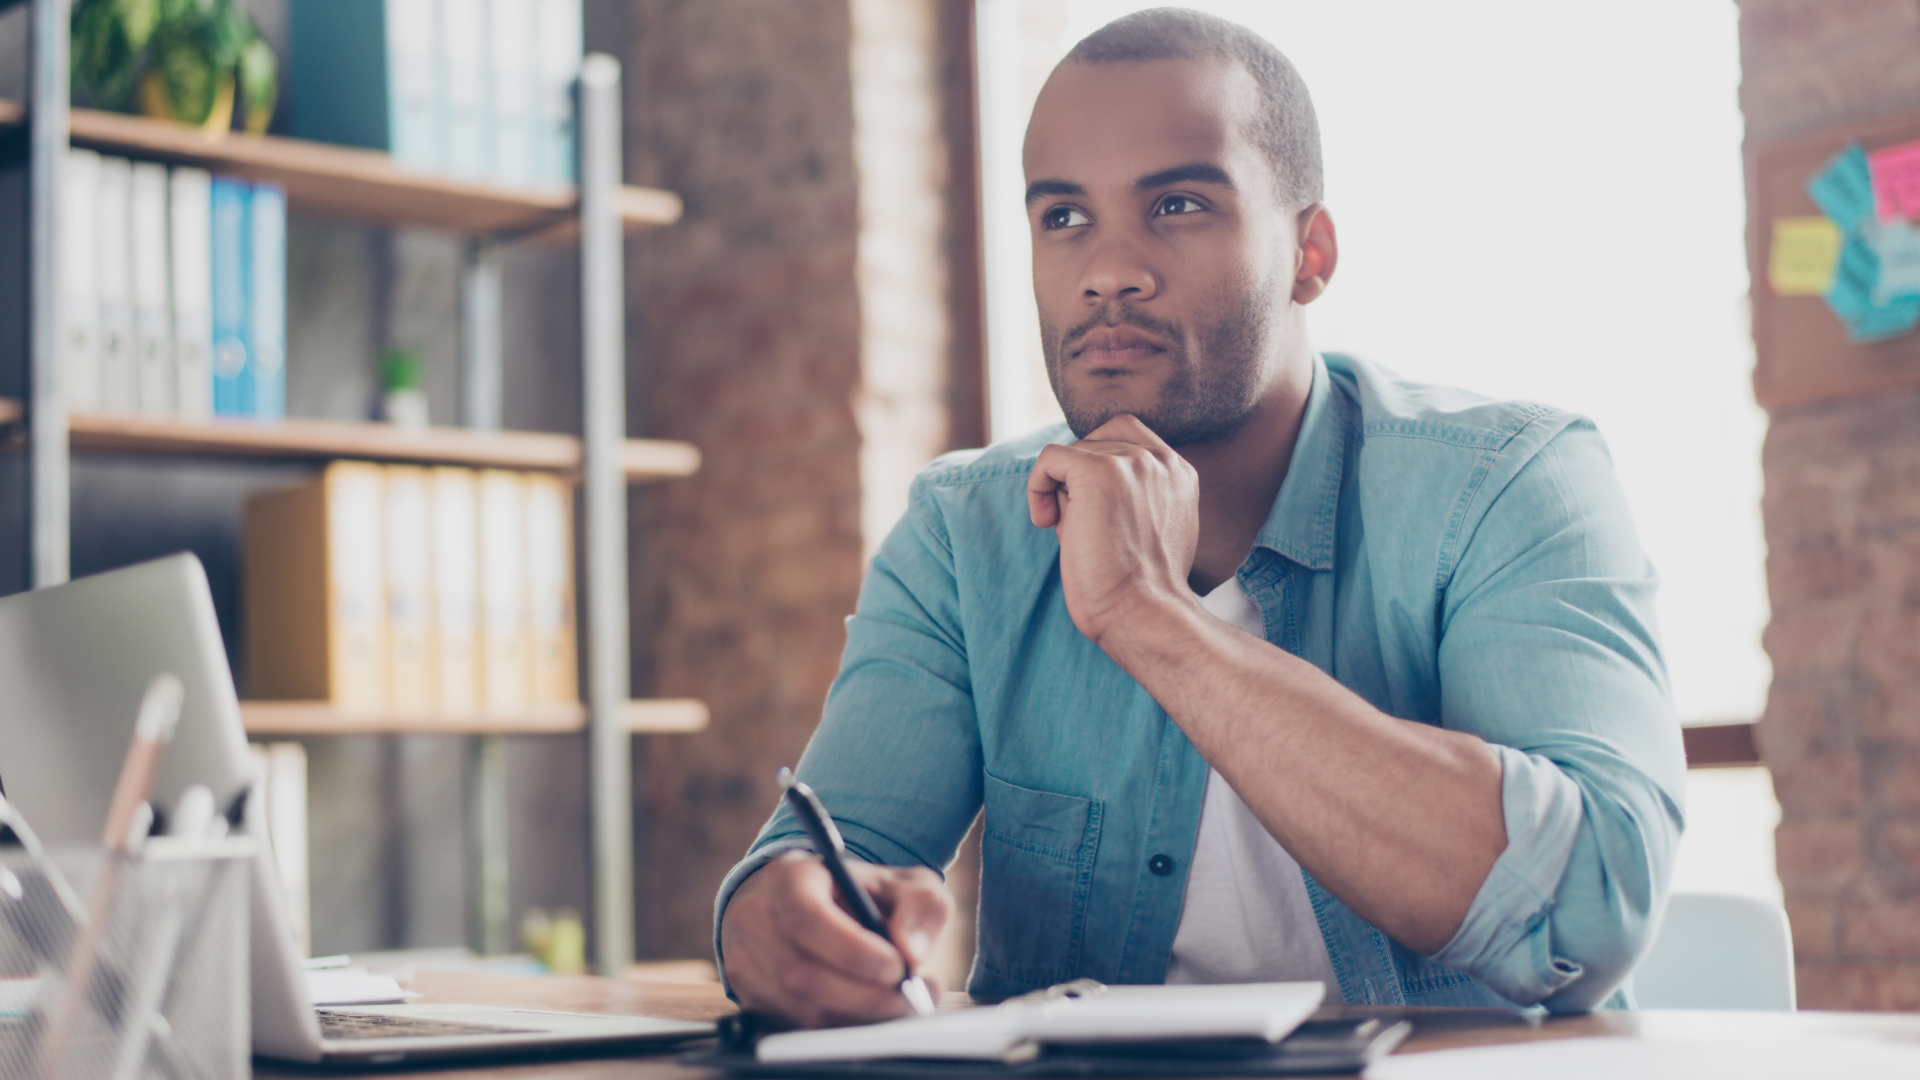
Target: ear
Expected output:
[1317,254]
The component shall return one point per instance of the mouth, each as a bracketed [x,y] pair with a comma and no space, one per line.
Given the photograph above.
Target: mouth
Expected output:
[1109,347]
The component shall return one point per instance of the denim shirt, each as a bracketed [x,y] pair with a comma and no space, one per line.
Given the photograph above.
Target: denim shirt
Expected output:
[1453,560]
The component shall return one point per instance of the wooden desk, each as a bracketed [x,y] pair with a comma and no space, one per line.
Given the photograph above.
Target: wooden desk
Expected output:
[1435,1029]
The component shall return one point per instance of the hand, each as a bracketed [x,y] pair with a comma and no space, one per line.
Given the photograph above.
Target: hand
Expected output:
[1126,509]
[793,951]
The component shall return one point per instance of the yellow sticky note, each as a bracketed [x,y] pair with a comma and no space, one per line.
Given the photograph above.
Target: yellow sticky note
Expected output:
[1805,251]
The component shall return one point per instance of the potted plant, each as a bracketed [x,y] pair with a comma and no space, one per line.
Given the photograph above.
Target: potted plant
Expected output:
[180,60]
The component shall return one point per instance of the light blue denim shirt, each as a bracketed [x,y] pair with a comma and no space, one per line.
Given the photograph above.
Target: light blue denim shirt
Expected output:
[1453,560]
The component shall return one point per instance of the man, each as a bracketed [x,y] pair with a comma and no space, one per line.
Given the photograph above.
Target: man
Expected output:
[1279,668]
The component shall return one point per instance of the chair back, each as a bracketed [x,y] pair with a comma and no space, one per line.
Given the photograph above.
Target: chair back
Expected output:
[1718,952]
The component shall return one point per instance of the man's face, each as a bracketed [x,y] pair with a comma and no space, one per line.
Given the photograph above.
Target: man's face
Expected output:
[1162,256]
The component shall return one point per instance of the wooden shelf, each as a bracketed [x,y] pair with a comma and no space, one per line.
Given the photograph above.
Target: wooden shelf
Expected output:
[647,716]
[365,185]
[644,459]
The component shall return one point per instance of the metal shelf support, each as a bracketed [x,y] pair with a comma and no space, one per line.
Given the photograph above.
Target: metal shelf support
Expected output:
[49,506]
[603,362]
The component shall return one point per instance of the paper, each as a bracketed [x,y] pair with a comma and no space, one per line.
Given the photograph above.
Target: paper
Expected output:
[1843,188]
[1750,1056]
[1855,279]
[353,986]
[1897,246]
[1895,172]
[1804,252]
[1265,1011]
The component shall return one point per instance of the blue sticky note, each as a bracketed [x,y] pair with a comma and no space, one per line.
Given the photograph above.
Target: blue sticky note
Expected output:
[1886,321]
[1854,276]
[1855,279]
[1843,188]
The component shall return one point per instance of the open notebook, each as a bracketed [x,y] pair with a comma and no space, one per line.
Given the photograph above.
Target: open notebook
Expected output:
[1081,1014]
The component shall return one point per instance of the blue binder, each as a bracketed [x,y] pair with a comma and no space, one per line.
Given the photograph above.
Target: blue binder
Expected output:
[267,301]
[232,379]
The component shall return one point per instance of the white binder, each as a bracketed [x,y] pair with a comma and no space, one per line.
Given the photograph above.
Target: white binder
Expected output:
[79,256]
[114,273]
[152,319]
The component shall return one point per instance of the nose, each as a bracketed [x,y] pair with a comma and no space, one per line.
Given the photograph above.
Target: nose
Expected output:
[1116,269]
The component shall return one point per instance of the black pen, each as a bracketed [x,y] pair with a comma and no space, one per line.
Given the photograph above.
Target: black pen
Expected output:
[833,851]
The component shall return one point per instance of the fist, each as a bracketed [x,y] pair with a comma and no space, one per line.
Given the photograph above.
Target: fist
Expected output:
[791,949]
[1126,509]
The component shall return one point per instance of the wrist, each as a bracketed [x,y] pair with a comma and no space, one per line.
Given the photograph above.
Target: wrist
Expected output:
[1150,624]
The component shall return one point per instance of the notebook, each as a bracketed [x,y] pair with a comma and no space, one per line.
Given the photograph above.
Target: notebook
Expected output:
[1256,1012]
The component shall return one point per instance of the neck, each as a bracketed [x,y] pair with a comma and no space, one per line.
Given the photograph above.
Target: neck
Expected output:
[1240,476]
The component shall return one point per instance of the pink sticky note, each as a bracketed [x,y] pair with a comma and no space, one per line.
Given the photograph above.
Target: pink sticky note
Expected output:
[1896,181]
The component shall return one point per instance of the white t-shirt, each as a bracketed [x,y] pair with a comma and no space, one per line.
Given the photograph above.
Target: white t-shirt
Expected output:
[1246,917]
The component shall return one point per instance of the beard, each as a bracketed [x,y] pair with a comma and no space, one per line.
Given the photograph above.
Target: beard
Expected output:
[1218,370]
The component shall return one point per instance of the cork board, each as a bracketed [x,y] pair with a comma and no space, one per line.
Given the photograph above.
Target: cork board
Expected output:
[1801,351]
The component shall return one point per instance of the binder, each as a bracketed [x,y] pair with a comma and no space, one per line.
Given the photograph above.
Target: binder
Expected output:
[463,71]
[152,321]
[513,87]
[561,46]
[232,385]
[190,239]
[365,73]
[556,670]
[267,301]
[409,556]
[414,104]
[505,669]
[315,591]
[79,255]
[454,535]
[114,274]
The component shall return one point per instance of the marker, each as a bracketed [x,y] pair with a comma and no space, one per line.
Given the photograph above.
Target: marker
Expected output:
[833,851]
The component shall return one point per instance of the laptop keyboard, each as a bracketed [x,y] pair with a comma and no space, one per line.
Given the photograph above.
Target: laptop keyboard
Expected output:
[339,1025]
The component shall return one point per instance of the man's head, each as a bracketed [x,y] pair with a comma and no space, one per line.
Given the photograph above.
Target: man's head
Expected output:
[1174,178]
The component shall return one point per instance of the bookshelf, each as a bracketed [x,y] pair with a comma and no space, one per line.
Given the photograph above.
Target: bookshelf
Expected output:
[597,215]
[642,460]
[652,716]
[362,185]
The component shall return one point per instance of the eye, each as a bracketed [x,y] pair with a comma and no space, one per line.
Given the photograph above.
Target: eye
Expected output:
[1177,204]
[1063,217]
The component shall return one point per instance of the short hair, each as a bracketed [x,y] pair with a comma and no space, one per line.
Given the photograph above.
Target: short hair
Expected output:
[1286,127]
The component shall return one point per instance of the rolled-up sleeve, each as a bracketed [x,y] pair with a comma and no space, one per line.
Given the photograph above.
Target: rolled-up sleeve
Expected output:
[1549,651]
[896,757]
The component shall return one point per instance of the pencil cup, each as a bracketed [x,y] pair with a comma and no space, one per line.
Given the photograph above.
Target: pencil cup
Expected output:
[125,967]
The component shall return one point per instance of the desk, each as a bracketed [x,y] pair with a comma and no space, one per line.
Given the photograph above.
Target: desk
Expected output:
[1435,1029]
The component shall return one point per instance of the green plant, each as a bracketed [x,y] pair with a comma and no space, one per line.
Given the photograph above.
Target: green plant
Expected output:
[191,47]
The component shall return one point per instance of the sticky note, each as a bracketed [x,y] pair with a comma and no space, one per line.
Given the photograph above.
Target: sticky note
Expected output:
[1843,188]
[1882,323]
[1855,277]
[1895,174]
[1897,247]
[1803,255]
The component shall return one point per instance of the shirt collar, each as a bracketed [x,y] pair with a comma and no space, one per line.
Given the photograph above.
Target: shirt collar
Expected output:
[1300,526]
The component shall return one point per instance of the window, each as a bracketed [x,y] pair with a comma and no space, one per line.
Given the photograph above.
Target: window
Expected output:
[1541,201]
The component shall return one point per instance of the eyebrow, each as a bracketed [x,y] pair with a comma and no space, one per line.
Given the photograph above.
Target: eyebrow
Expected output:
[1203,172]
[1040,189]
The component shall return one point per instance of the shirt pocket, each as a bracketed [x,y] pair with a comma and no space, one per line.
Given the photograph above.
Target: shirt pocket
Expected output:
[1037,855]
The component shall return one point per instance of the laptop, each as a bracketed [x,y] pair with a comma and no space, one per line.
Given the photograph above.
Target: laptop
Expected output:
[74,661]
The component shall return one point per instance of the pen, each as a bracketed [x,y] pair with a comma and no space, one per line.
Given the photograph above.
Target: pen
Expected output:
[128,817]
[833,851]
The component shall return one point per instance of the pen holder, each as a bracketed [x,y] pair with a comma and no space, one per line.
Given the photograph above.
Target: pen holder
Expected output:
[137,971]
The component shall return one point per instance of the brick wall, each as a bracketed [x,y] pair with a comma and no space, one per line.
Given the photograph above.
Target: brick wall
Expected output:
[1842,508]
[746,322]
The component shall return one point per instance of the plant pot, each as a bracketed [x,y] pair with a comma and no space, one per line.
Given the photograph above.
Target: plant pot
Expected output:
[157,103]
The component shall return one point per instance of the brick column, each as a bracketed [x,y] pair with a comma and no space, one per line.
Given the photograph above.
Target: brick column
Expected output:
[746,320]
[1842,508]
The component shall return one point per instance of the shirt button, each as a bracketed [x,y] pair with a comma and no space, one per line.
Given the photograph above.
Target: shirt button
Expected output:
[1161,865]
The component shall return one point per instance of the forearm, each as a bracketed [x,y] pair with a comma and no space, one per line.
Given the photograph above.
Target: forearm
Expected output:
[1400,820]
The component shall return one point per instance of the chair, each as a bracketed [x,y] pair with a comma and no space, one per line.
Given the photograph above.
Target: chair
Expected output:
[1718,952]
